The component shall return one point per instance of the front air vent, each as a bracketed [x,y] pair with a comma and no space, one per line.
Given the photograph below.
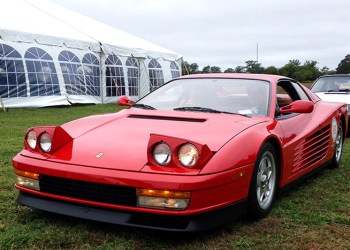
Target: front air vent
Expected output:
[312,149]
[166,118]
[112,194]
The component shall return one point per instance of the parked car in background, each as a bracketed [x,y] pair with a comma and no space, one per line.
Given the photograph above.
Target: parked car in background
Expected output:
[191,155]
[333,88]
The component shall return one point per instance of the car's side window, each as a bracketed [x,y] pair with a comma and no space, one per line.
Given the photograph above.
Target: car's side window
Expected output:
[283,97]
[288,92]
[301,92]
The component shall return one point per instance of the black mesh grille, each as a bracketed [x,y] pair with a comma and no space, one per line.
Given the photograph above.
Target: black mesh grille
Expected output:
[91,191]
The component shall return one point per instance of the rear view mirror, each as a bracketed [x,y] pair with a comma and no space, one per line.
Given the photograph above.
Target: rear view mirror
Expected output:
[125,101]
[300,106]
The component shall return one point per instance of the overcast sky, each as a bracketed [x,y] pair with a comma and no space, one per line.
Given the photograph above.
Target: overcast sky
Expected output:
[225,33]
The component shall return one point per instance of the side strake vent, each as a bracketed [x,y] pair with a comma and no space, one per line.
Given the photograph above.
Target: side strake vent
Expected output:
[312,149]
[166,118]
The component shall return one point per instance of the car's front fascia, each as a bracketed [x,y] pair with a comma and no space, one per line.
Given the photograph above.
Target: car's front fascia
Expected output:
[203,189]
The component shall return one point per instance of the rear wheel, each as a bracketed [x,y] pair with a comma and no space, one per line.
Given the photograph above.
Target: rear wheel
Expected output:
[263,185]
[338,147]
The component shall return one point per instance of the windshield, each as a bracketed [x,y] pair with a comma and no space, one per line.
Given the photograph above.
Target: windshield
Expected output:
[332,84]
[238,96]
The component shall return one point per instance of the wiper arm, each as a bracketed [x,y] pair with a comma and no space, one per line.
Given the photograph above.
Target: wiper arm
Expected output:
[338,90]
[197,109]
[207,110]
[143,106]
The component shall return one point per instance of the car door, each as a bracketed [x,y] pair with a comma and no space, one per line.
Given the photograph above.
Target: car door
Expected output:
[301,143]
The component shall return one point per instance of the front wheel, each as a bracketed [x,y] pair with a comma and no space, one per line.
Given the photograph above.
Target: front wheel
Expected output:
[263,185]
[338,147]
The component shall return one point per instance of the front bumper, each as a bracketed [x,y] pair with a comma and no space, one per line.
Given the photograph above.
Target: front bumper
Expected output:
[191,223]
[215,198]
[232,185]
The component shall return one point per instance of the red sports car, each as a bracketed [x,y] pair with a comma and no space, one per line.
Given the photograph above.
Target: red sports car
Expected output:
[194,154]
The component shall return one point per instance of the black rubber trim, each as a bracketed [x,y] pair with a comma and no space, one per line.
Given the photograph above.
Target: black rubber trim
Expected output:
[193,223]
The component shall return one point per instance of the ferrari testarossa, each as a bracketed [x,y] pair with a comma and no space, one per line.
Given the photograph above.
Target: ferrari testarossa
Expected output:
[194,154]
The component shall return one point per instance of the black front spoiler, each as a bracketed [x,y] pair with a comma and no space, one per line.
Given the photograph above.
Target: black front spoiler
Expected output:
[192,223]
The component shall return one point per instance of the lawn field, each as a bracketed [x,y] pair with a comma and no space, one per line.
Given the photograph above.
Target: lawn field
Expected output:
[314,215]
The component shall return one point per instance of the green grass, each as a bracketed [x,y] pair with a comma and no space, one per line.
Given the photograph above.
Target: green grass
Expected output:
[314,215]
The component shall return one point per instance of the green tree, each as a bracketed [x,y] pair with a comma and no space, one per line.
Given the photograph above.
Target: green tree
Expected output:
[294,69]
[302,75]
[206,69]
[327,71]
[324,70]
[290,68]
[229,70]
[211,69]
[344,65]
[306,72]
[215,69]
[310,71]
[271,70]
[240,69]
[253,67]
[188,69]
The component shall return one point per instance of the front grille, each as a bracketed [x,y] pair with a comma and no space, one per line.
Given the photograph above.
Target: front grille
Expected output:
[112,194]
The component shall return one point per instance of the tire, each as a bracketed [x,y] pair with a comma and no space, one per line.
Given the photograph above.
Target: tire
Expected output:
[263,186]
[338,147]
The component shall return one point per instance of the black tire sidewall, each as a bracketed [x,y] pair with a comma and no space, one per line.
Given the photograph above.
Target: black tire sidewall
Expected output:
[254,210]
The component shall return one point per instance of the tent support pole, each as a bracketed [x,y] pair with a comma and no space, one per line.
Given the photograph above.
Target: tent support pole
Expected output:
[2,105]
[102,78]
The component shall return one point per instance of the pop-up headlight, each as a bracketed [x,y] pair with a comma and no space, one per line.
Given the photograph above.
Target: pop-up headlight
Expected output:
[162,153]
[45,142]
[188,155]
[31,139]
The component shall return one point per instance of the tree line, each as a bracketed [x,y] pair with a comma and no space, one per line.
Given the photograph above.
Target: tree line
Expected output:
[303,72]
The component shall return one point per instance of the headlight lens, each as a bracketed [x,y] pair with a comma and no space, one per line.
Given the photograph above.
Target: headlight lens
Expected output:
[31,139]
[45,142]
[162,153]
[188,155]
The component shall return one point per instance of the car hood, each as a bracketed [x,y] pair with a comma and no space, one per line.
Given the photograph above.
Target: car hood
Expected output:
[120,140]
[343,97]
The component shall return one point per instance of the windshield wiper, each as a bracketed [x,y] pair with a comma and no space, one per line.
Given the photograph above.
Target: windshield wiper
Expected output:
[207,110]
[143,106]
[197,109]
[338,90]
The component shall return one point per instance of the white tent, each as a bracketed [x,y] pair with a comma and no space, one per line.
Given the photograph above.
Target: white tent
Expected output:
[52,56]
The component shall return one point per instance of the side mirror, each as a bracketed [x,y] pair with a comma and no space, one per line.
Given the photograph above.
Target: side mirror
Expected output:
[300,106]
[125,101]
